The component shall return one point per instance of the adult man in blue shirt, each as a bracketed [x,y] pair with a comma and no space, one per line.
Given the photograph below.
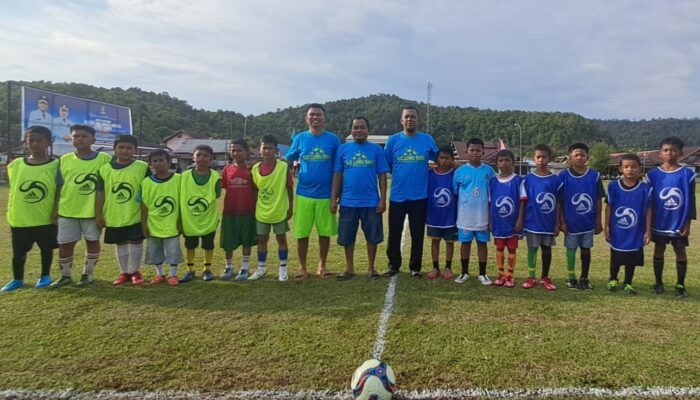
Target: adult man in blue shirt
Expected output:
[407,153]
[359,165]
[316,150]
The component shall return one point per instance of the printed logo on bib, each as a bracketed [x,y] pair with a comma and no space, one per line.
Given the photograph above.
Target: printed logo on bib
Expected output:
[87,183]
[317,154]
[443,197]
[34,191]
[546,202]
[165,205]
[671,197]
[265,195]
[505,206]
[359,160]
[582,203]
[410,155]
[198,205]
[626,217]
[123,192]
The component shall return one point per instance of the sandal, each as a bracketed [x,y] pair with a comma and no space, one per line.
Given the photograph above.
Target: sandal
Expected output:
[345,276]
[373,275]
[324,273]
[301,276]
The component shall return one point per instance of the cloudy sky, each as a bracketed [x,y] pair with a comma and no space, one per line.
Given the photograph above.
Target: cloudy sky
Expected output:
[603,59]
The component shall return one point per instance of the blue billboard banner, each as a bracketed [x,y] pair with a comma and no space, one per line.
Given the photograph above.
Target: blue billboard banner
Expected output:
[58,112]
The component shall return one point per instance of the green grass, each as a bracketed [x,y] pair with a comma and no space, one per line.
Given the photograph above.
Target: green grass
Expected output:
[312,335]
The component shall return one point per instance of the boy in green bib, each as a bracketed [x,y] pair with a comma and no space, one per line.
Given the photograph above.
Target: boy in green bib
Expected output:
[31,206]
[76,214]
[200,187]
[160,217]
[273,207]
[117,207]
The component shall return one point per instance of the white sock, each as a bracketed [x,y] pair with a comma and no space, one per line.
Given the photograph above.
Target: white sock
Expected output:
[90,262]
[261,265]
[229,263]
[66,265]
[173,270]
[245,264]
[123,257]
[159,269]
[135,256]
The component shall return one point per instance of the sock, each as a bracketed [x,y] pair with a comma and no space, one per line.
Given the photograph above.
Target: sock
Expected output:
[135,256]
[262,260]
[659,270]
[546,260]
[629,274]
[465,266]
[245,264]
[436,265]
[18,262]
[229,263]
[448,264]
[482,267]
[90,263]
[66,265]
[173,270]
[282,253]
[208,255]
[159,269]
[614,271]
[681,268]
[571,263]
[190,260]
[46,261]
[123,257]
[585,263]
[499,262]
[531,261]
[511,264]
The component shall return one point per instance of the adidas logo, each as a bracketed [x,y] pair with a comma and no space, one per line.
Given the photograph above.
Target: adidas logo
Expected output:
[120,196]
[31,195]
[671,203]
[545,206]
[502,210]
[622,222]
[581,207]
[85,187]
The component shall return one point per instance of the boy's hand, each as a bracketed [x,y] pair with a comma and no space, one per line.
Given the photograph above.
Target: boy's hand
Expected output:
[490,228]
[334,206]
[289,214]
[556,230]
[54,218]
[100,222]
[563,228]
[145,231]
[598,228]
[518,227]
[685,231]
[647,237]
[381,207]
[607,233]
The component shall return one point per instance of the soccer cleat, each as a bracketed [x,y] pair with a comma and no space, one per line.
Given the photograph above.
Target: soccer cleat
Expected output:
[484,279]
[509,283]
[681,292]
[259,273]
[207,276]
[572,284]
[584,284]
[529,283]
[136,278]
[390,272]
[157,279]
[416,274]
[13,285]
[433,274]
[448,275]
[242,275]
[173,281]
[462,278]
[228,274]
[62,281]
[189,276]
[43,282]
[658,288]
[629,289]
[612,285]
[547,283]
[282,275]
[122,278]
[500,281]
[85,280]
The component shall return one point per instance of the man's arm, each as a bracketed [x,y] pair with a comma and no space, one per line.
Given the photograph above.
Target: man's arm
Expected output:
[608,218]
[144,220]
[381,207]
[335,190]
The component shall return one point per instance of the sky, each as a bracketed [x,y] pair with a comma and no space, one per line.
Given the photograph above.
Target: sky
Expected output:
[602,59]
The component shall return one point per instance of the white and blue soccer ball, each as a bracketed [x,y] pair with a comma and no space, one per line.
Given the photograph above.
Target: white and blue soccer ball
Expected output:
[373,380]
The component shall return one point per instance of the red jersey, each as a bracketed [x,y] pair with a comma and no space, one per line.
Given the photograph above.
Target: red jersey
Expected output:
[240,191]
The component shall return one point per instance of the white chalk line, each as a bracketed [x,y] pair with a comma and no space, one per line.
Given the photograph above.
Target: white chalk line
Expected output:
[454,394]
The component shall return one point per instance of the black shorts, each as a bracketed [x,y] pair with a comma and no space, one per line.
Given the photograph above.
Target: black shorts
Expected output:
[192,242]
[24,238]
[124,234]
[676,241]
[635,258]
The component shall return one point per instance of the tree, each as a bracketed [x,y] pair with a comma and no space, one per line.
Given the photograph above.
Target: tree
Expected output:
[599,157]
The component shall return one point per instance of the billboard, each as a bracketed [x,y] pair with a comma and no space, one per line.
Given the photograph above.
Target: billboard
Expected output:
[58,112]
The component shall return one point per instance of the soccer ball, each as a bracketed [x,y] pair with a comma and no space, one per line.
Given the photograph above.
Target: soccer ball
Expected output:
[373,380]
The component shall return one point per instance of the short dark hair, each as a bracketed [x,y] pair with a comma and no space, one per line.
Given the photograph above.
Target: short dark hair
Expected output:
[446,150]
[577,146]
[41,131]
[81,127]
[544,147]
[241,143]
[269,139]
[409,108]
[362,118]
[505,153]
[126,139]
[475,140]
[630,157]
[203,147]
[673,141]
[315,105]
[159,153]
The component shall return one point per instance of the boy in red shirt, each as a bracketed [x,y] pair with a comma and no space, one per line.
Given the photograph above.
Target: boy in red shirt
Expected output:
[238,222]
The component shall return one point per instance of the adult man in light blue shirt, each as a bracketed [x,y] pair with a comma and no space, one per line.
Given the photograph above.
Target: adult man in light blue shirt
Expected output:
[407,153]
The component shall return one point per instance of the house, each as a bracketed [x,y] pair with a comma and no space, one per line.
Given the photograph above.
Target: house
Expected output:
[182,152]
[378,139]
[650,159]
[178,137]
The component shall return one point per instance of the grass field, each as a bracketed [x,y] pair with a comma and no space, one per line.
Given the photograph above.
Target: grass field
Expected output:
[266,335]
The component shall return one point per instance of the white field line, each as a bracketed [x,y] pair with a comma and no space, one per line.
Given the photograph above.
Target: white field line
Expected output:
[454,394]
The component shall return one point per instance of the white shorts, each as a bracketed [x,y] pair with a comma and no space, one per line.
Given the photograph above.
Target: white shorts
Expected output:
[163,250]
[73,229]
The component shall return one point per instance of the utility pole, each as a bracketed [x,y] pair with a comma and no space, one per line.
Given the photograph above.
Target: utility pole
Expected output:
[430,92]
[8,124]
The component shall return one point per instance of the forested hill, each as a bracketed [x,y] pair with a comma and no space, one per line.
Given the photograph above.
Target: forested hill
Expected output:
[646,134]
[163,115]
